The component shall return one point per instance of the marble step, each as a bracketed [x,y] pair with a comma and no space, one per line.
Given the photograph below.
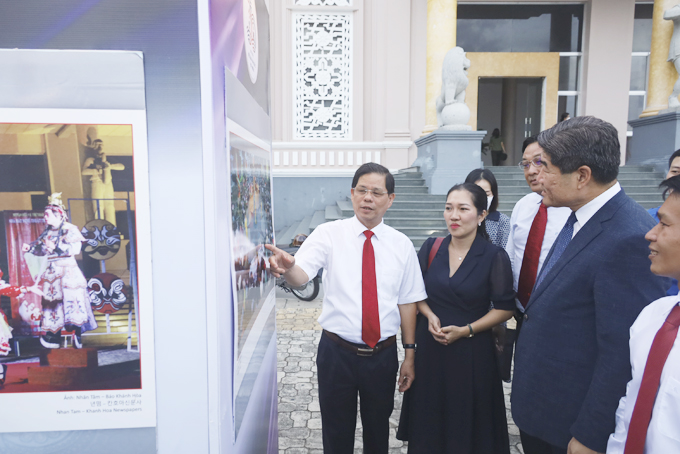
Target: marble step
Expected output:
[319,217]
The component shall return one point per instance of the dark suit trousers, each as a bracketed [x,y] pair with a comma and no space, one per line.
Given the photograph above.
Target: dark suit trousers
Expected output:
[533,445]
[342,374]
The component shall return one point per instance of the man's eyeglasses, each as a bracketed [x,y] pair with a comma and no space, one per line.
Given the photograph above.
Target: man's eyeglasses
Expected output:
[363,191]
[524,165]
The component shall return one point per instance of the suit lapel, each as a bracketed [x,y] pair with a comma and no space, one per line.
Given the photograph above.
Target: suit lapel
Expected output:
[583,238]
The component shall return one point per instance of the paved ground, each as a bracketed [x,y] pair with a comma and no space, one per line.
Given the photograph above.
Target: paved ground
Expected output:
[299,417]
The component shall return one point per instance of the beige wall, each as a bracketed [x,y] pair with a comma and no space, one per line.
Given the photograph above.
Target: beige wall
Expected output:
[607,47]
[514,64]
[22,144]
[383,62]
[15,201]
[65,154]
[389,81]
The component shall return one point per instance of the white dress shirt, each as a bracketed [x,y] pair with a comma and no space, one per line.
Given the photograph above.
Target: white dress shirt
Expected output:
[663,434]
[588,210]
[338,247]
[520,223]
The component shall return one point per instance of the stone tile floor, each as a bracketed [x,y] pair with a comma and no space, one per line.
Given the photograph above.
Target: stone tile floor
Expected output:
[299,416]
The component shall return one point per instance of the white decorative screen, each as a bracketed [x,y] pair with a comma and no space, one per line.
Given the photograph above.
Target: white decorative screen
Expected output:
[323,2]
[323,56]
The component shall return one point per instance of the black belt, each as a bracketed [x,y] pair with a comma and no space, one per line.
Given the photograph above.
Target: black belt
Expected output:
[358,349]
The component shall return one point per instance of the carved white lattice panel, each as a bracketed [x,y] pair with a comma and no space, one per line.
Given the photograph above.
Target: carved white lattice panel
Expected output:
[323,64]
[323,2]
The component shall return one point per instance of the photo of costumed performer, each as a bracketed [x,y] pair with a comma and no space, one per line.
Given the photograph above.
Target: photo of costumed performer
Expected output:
[65,301]
[5,330]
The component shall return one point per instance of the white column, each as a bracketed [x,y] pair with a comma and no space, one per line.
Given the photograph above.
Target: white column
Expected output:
[607,59]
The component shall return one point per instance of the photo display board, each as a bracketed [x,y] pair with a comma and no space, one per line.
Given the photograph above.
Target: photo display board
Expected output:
[252,284]
[76,320]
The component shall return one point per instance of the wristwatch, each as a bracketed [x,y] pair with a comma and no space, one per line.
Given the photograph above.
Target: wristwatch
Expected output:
[472,333]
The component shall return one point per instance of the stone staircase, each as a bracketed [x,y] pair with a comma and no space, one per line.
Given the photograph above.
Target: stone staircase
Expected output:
[419,214]
[414,212]
[641,183]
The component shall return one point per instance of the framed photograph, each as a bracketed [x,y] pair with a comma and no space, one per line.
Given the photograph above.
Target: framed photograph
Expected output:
[253,285]
[76,315]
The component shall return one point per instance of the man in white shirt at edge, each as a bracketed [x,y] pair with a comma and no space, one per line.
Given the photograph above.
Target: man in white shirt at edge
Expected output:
[523,215]
[663,433]
[345,364]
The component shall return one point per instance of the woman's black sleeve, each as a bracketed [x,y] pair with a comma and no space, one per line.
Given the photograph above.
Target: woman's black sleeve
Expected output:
[500,281]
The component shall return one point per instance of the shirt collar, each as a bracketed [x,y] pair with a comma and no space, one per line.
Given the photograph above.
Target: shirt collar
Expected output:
[588,210]
[358,228]
[495,216]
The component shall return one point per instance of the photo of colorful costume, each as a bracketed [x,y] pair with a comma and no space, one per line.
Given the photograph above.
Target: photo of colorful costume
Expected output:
[65,301]
[6,330]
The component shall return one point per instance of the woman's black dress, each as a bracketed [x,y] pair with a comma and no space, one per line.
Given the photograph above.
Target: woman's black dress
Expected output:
[456,403]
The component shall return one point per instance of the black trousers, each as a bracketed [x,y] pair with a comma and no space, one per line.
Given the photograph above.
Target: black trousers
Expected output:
[342,374]
[534,445]
[496,157]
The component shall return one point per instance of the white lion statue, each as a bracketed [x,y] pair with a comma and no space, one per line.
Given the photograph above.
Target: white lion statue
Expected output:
[452,113]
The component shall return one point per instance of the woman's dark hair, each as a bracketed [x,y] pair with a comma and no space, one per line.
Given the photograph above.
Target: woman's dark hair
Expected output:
[496,133]
[485,174]
[478,197]
[564,116]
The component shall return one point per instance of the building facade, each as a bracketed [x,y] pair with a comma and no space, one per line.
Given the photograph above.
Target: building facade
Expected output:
[355,81]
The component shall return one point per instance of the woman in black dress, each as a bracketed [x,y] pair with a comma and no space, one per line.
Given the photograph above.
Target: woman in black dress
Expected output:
[456,404]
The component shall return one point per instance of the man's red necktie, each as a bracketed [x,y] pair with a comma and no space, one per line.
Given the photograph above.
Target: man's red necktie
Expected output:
[642,412]
[370,320]
[532,253]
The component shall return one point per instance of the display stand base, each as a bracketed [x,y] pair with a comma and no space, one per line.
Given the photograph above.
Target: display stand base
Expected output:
[446,157]
[654,140]
[64,367]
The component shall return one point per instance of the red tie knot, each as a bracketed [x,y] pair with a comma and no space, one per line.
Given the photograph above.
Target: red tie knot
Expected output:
[368,234]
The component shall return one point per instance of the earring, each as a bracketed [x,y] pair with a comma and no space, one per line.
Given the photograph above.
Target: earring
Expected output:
[480,224]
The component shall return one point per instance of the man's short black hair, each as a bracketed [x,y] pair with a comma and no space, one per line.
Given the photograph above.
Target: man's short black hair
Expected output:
[671,186]
[584,141]
[673,156]
[528,141]
[372,167]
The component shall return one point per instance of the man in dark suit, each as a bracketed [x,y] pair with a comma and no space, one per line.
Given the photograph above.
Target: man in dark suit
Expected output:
[571,363]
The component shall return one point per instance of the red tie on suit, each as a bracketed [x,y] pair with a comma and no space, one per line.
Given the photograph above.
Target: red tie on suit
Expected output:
[532,253]
[370,317]
[642,412]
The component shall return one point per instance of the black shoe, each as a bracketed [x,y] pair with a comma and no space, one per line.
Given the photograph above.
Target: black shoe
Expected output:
[76,337]
[77,341]
[51,340]
[47,344]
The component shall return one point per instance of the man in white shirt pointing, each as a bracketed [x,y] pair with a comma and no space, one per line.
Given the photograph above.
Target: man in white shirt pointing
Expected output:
[648,416]
[371,279]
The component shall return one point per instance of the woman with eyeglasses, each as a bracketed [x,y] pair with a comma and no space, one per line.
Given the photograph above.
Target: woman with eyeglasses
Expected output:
[497,223]
[456,402]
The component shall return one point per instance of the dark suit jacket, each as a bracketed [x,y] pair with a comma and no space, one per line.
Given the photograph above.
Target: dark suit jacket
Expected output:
[572,359]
